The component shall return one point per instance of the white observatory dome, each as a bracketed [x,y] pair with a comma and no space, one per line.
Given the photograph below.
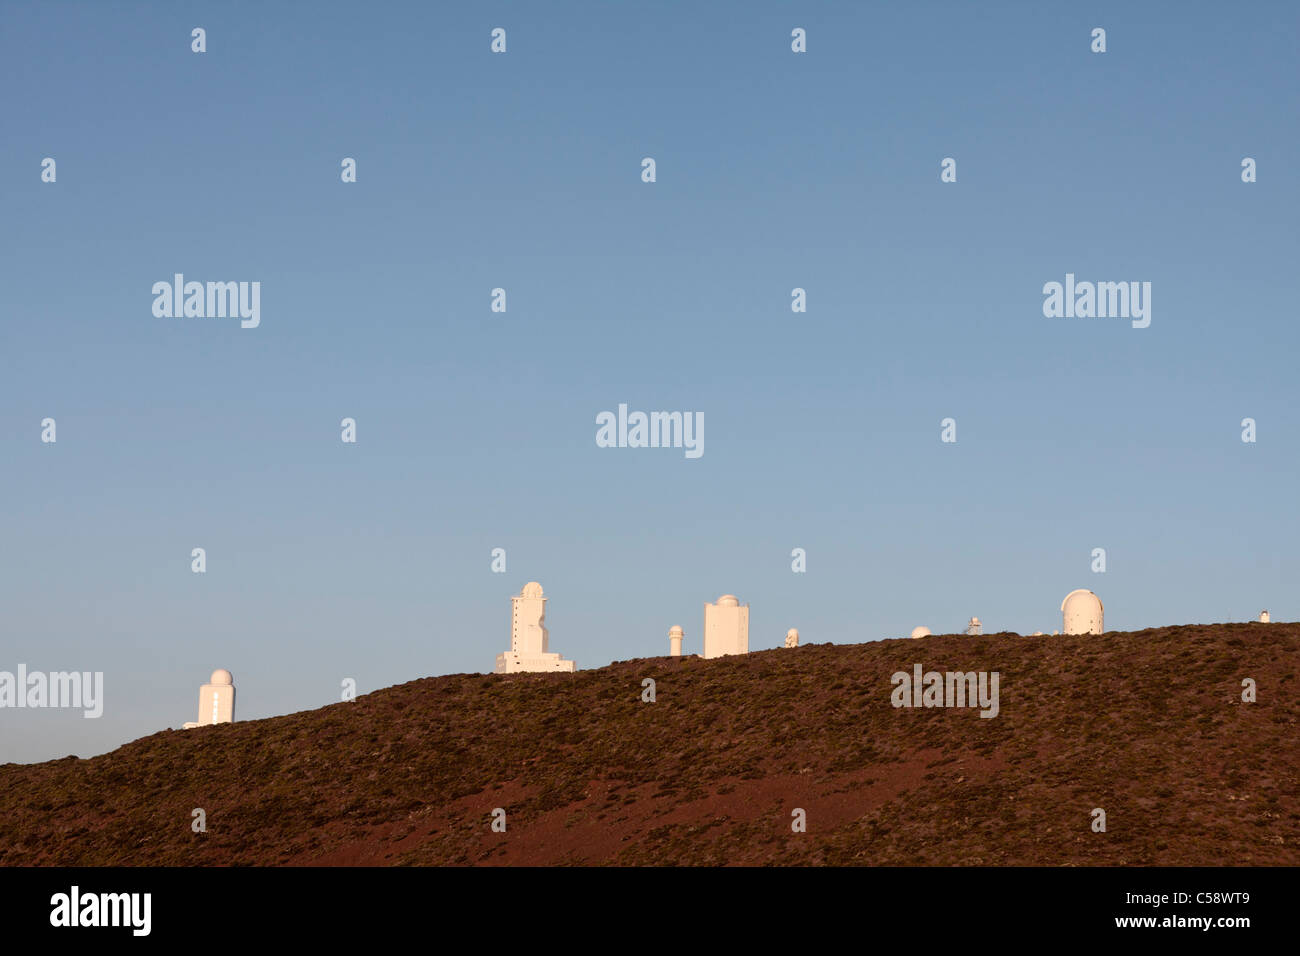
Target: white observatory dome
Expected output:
[1082,613]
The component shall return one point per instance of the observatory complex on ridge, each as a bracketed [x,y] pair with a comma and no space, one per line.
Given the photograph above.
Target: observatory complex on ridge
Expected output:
[726,632]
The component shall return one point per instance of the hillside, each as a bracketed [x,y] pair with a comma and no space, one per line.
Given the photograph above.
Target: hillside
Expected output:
[1147,725]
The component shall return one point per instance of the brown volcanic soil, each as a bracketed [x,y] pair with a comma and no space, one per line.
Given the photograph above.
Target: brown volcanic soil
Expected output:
[1148,725]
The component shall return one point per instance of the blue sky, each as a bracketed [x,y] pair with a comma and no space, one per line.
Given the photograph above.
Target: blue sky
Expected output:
[476,429]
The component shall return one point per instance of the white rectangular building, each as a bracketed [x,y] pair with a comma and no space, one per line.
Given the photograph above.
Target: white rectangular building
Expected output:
[726,627]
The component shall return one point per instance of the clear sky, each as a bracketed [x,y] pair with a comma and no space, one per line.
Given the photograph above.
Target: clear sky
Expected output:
[476,430]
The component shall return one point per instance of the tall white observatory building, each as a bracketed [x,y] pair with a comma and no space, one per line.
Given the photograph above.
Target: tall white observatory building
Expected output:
[726,627]
[529,638]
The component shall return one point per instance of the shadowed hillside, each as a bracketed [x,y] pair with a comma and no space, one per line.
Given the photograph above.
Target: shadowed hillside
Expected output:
[1147,725]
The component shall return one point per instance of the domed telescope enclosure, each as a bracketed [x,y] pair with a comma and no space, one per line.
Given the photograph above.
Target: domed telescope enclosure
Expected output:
[1082,613]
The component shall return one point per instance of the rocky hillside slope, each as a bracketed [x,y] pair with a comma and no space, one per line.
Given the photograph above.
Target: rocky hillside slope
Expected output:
[1148,726]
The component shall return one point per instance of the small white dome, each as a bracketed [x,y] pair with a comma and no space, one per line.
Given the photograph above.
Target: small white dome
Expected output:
[676,631]
[728,600]
[221,677]
[920,632]
[531,590]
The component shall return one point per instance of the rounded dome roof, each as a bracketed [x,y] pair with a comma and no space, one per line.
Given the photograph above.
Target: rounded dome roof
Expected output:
[1079,595]
[221,676]
[920,632]
[531,590]
[728,600]
[675,631]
